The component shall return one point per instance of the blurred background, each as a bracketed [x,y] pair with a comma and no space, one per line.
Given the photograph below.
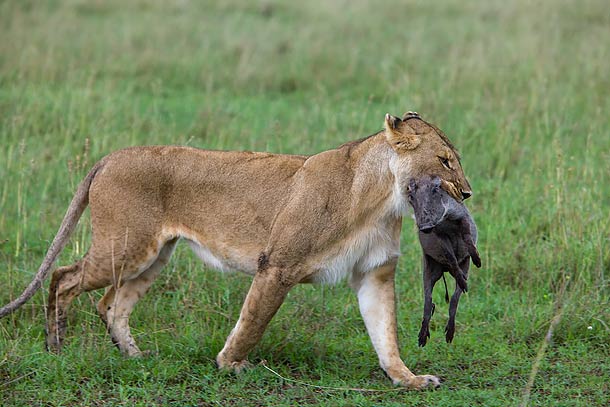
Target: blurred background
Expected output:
[520,87]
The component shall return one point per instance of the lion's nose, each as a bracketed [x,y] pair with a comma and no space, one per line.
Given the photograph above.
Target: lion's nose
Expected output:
[466,194]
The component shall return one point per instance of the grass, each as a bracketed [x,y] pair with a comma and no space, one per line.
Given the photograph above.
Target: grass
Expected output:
[521,88]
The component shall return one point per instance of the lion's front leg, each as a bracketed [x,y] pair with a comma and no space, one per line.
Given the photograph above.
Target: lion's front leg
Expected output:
[375,290]
[266,294]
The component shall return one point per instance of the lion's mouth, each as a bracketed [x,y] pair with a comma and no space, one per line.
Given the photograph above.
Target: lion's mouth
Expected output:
[453,191]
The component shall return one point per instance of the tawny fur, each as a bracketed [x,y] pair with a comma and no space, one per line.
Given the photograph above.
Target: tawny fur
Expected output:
[285,219]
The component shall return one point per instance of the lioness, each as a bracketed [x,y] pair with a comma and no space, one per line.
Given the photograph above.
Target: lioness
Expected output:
[285,219]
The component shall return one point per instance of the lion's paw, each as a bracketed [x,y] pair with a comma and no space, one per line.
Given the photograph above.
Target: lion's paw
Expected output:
[234,366]
[424,382]
[420,382]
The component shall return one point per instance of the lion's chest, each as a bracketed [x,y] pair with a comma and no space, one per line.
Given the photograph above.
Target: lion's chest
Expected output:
[361,252]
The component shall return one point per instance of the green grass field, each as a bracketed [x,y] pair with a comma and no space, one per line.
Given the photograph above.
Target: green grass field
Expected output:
[521,88]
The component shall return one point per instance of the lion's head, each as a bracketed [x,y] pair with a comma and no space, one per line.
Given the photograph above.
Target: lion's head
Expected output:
[423,150]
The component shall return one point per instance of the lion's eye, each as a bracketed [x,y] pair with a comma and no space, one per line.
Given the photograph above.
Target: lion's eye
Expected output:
[445,162]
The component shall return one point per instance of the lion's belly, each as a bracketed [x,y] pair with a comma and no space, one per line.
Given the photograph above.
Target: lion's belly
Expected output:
[216,254]
[362,253]
[226,259]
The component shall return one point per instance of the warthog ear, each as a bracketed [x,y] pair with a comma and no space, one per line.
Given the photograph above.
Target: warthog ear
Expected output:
[399,136]
[436,181]
[412,186]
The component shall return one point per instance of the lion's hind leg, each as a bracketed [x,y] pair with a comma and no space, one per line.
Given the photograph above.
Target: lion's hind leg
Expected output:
[66,284]
[118,303]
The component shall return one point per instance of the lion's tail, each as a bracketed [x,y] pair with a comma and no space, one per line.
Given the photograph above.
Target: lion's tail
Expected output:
[73,214]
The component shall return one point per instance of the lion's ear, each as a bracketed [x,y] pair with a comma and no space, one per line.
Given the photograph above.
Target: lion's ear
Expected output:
[391,122]
[411,115]
[400,136]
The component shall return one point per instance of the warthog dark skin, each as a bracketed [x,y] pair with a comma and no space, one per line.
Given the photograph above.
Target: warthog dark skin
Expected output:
[448,236]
